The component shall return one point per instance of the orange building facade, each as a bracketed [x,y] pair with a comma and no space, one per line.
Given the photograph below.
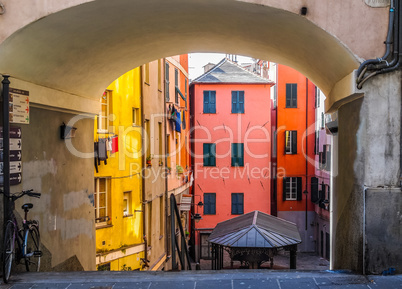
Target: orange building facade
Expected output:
[295,164]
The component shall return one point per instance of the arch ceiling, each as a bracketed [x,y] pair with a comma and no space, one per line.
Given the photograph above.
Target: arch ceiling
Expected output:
[82,49]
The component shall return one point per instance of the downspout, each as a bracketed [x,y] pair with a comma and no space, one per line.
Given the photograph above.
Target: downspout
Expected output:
[143,166]
[382,65]
[6,146]
[166,159]
[306,191]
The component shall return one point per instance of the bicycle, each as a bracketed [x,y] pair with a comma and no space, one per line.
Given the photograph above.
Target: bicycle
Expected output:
[27,238]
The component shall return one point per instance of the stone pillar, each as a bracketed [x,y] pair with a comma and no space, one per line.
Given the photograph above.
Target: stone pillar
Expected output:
[368,158]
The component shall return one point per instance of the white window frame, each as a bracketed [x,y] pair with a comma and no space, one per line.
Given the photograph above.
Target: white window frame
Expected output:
[291,189]
[127,208]
[289,141]
[105,118]
[96,199]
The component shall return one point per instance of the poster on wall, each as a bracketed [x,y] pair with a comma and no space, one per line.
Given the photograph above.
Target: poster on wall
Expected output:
[19,106]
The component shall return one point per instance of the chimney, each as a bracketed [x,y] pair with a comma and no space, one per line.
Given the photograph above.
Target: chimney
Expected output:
[208,67]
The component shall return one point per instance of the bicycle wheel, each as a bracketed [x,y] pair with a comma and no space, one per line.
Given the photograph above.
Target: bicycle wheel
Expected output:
[32,252]
[8,250]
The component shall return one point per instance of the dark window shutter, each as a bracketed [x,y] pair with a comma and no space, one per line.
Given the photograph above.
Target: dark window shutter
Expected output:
[212,155]
[206,101]
[294,142]
[241,154]
[314,189]
[213,203]
[240,202]
[206,204]
[212,102]
[206,154]
[299,189]
[234,154]
[285,180]
[288,94]
[234,101]
[294,95]
[234,201]
[167,81]
[241,102]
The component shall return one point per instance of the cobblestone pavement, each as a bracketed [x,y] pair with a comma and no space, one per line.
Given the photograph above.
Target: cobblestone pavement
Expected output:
[225,279]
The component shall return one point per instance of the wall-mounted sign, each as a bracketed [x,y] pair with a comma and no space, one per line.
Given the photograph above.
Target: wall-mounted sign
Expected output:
[19,106]
[15,156]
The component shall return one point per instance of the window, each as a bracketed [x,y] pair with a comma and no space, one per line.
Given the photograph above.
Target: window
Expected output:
[160,141]
[237,101]
[127,204]
[159,75]
[317,97]
[322,120]
[292,188]
[291,142]
[147,130]
[104,267]
[161,214]
[325,158]
[314,190]
[237,154]
[147,73]
[316,142]
[291,95]
[176,83]
[209,203]
[274,134]
[102,202]
[209,101]
[206,247]
[136,116]
[105,115]
[167,82]
[149,224]
[237,203]
[209,152]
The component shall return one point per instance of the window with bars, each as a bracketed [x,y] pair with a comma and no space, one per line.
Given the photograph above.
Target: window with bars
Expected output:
[209,203]
[237,101]
[209,101]
[291,95]
[106,112]
[237,203]
[102,201]
[209,153]
[291,142]
[237,154]
[292,188]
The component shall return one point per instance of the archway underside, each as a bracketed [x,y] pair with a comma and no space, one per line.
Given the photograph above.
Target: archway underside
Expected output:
[81,50]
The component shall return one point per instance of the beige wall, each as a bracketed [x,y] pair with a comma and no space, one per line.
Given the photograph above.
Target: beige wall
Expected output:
[154,181]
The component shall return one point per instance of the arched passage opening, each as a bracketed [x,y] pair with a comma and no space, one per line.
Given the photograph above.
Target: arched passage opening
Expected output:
[67,58]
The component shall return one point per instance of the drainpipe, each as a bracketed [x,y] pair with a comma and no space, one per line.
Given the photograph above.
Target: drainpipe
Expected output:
[306,191]
[166,159]
[143,166]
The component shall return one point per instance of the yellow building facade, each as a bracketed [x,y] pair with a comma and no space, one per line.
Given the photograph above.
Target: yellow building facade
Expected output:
[118,181]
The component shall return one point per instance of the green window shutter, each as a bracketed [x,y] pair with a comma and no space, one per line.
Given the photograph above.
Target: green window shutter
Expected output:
[212,102]
[234,202]
[167,82]
[241,154]
[288,94]
[233,154]
[314,189]
[299,189]
[294,95]
[285,180]
[206,101]
[241,102]
[240,202]
[294,142]
[212,155]
[206,154]
[234,101]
